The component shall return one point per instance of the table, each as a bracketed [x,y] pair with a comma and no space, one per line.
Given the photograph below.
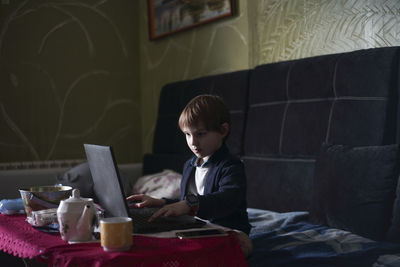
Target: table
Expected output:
[19,238]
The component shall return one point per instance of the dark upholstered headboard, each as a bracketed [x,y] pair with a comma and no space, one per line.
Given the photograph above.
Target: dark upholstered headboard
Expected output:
[282,112]
[348,98]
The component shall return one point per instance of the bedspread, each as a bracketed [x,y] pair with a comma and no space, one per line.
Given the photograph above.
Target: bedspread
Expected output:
[287,239]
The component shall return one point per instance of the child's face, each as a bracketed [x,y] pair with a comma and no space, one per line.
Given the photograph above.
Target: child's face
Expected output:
[202,142]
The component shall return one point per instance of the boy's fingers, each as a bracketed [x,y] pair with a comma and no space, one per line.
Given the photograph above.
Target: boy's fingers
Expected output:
[134,205]
[167,213]
[134,197]
[156,215]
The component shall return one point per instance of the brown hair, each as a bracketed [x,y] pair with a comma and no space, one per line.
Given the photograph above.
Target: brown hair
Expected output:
[207,109]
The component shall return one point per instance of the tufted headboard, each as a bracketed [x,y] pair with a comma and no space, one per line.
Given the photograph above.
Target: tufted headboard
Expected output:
[348,98]
[283,112]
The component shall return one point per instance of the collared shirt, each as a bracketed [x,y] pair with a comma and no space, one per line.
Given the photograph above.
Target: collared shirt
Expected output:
[196,185]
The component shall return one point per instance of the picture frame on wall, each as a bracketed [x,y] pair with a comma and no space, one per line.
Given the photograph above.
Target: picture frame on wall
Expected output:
[167,17]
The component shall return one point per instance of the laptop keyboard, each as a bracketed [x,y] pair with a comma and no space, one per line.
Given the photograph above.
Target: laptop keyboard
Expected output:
[140,217]
[141,224]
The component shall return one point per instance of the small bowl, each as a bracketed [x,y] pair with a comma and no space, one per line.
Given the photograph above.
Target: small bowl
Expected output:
[43,197]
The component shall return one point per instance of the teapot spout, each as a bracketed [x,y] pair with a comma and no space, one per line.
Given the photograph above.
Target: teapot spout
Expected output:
[84,225]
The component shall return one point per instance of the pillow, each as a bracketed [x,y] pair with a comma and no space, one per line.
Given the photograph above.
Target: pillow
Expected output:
[163,184]
[80,177]
[354,188]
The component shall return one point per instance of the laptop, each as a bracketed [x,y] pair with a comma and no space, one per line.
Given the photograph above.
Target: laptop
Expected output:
[109,191]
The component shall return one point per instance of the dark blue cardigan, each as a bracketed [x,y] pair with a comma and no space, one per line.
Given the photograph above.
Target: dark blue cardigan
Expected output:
[224,199]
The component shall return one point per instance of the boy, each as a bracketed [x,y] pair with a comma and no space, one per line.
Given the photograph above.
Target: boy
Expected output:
[213,185]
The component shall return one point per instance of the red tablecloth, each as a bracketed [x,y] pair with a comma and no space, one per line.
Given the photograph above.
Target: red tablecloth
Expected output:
[19,238]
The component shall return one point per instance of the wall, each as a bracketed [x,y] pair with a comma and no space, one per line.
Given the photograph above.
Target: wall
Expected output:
[69,74]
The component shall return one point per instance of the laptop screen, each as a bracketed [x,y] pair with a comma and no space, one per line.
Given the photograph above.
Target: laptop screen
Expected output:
[106,179]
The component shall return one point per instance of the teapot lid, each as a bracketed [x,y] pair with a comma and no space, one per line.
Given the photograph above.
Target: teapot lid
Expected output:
[76,197]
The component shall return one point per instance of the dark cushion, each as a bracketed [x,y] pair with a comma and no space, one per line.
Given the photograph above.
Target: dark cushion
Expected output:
[275,185]
[153,163]
[354,188]
[80,177]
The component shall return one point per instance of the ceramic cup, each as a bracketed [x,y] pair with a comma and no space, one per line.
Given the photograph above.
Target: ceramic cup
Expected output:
[116,233]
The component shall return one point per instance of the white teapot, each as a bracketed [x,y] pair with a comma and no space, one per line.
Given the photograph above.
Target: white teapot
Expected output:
[76,218]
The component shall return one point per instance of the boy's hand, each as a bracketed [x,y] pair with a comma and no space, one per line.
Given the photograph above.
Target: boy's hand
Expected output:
[175,209]
[143,201]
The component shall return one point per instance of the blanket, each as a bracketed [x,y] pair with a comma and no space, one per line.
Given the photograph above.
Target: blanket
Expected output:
[287,239]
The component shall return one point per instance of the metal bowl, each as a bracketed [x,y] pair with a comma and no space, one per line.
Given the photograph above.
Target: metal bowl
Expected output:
[43,197]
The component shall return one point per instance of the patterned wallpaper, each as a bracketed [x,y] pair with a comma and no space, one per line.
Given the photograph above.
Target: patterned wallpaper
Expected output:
[68,76]
[291,29]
